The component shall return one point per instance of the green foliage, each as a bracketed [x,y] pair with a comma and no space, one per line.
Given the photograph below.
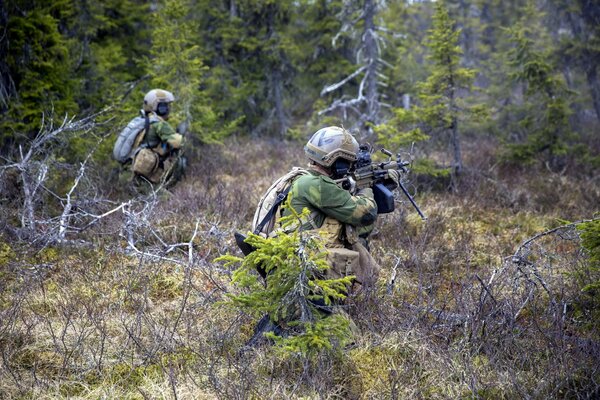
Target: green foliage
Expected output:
[545,109]
[296,280]
[440,107]
[37,63]
[177,66]
[590,276]
[391,134]
[315,337]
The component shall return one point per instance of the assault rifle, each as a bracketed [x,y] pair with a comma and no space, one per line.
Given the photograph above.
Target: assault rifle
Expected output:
[373,174]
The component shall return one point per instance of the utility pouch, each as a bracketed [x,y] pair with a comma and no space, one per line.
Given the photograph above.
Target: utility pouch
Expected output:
[342,262]
[145,163]
[368,269]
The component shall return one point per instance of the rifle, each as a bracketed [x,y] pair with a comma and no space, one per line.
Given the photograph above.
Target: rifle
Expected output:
[373,174]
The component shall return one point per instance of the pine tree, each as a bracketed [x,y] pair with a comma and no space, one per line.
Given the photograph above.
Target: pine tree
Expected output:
[441,106]
[545,109]
[296,288]
[439,94]
[177,66]
[109,41]
[34,62]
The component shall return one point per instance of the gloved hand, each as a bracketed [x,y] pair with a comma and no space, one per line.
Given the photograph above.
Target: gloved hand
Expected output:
[393,180]
[351,184]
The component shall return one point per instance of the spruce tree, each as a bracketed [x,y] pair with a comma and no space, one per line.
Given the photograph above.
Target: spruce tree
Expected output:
[108,40]
[297,293]
[545,108]
[36,65]
[177,65]
[442,106]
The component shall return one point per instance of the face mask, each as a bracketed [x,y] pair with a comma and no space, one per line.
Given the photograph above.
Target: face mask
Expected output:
[162,109]
[340,168]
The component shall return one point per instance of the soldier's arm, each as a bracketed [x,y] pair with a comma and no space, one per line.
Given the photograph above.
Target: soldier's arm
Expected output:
[359,210]
[168,135]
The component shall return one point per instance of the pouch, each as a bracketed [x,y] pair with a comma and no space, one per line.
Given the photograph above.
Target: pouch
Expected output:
[342,262]
[145,163]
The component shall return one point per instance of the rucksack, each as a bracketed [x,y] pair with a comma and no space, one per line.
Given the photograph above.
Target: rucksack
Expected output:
[265,215]
[130,139]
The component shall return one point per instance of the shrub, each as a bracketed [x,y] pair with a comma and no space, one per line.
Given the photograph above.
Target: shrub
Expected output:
[296,294]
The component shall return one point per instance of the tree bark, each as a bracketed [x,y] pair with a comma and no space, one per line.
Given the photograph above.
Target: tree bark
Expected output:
[371,55]
[594,83]
[456,147]
[275,74]
[277,83]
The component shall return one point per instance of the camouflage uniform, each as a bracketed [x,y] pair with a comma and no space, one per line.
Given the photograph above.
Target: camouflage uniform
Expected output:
[163,134]
[158,159]
[324,198]
[337,215]
[163,140]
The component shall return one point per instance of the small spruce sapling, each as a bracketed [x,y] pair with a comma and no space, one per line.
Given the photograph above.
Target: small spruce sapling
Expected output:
[297,289]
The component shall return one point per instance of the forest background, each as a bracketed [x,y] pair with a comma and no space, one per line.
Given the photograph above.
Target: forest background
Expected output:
[107,293]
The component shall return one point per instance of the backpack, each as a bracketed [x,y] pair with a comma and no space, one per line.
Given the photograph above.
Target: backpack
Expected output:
[130,139]
[265,215]
[266,211]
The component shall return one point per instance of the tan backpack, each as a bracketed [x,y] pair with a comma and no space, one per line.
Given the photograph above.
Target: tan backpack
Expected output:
[265,215]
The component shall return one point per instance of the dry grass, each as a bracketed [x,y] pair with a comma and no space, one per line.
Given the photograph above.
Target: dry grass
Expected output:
[453,316]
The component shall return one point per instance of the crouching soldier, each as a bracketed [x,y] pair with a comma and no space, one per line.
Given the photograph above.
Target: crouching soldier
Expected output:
[158,157]
[344,219]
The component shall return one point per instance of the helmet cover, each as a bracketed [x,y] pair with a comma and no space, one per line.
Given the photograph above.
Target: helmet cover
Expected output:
[156,96]
[328,144]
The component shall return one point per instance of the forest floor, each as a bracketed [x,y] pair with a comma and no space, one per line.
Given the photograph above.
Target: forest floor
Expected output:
[482,300]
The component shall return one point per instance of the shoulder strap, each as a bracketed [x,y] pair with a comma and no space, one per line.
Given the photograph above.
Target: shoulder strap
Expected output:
[280,198]
[149,119]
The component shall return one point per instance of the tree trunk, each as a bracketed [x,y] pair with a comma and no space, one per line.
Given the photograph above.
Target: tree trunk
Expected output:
[277,86]
[275,74]
[371,55]
[592,78]
[455,139]
[233,10]
[456,147]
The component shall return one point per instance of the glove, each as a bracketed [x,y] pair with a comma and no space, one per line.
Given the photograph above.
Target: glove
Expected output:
[351,185]
[393,179]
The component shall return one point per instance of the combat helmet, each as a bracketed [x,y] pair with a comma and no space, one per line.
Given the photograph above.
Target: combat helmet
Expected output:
[157,100]
[330,144]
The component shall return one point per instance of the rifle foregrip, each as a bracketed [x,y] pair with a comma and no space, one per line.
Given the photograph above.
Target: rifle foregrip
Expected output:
[384,198]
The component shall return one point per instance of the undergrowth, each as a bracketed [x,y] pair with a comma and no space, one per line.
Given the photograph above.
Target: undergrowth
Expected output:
[134,306]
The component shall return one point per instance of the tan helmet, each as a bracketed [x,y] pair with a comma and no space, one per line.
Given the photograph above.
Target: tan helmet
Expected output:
[330,143]
[156,96]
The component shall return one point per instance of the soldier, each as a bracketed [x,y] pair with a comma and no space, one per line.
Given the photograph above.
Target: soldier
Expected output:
[344,219]
[159,156]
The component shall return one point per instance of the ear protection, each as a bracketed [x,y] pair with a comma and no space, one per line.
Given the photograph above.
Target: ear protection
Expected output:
[340,168]
[162,109]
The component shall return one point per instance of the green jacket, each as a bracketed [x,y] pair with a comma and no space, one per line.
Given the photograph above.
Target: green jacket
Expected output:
[162,132]
[324,198]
